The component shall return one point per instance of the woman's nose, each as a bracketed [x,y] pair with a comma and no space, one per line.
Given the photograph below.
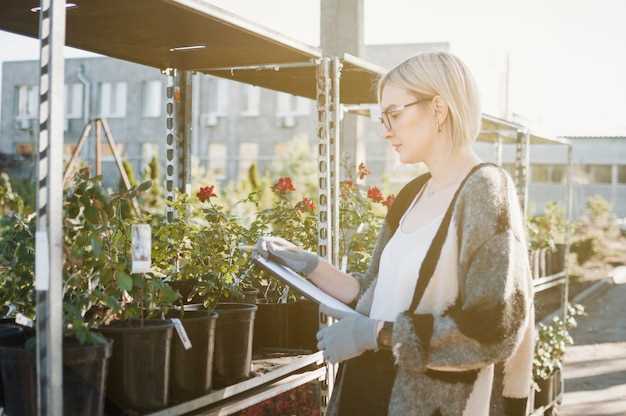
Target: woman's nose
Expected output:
[387,134]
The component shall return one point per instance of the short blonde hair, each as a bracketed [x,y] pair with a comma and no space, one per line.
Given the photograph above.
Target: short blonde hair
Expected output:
[440,73]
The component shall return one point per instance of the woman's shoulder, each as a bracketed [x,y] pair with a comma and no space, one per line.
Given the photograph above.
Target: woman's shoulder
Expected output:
[489,185]
[487,199]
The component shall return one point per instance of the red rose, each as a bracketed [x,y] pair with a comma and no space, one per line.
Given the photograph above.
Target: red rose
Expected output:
[363,170]
[389,201]
[305,205]
[206,193]
[375,194]
[284,185]
[346,187]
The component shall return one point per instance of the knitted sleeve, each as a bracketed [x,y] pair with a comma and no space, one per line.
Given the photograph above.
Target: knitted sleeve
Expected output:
[488,319]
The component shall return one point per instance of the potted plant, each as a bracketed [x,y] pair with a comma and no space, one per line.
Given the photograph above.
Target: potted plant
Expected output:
[85,353]
[207,242]
[284,320]
[547,241]
[549,352]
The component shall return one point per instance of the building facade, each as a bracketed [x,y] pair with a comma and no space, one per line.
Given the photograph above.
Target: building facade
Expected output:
[235,125]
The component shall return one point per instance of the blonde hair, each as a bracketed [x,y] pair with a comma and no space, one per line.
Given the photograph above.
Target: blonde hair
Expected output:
[440,73]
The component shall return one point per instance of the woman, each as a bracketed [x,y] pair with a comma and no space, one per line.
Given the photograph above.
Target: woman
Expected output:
[447,325]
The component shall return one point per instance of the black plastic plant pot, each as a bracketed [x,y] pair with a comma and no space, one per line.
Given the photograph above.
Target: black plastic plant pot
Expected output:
[191,370]
[545,395]
[558,259]
[139,376]
[10,336]
[303,324]
[271,327]
[232,359]
[250,295]
[84,375]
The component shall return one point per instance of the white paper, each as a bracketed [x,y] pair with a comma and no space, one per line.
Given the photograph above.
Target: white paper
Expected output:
[305,287]
[182,334]
[141,248]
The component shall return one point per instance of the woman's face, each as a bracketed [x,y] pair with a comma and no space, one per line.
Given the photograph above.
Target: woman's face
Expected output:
[413,129]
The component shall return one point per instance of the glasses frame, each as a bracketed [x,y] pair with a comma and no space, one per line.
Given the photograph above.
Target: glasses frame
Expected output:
[384,116]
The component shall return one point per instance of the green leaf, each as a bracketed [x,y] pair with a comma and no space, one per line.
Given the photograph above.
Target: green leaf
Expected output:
[91,214]
[124,281]
[144,186]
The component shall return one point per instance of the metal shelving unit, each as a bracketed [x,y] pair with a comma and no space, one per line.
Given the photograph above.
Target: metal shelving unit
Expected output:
[217,43]
[282,375]
[500,132]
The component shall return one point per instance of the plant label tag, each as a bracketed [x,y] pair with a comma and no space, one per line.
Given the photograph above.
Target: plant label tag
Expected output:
[141,248]
[182,334]
[42,263]
[22,320]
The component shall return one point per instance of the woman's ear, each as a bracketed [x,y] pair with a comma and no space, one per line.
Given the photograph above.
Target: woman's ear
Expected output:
[440,108]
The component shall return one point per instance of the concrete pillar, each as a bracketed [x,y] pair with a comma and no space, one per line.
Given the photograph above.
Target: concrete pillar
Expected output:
[341,31]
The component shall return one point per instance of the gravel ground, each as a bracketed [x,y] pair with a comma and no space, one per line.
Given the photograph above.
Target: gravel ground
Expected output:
[595,367]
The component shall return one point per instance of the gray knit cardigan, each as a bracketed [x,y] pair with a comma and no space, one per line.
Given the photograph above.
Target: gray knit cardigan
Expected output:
[492,316]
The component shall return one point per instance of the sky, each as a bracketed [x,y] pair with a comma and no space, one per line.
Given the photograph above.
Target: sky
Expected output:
[567,57]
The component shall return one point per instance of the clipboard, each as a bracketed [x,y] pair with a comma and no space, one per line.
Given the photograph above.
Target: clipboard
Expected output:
[333,306]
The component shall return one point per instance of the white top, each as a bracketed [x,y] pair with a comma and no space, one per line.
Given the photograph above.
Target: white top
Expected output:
[400,263]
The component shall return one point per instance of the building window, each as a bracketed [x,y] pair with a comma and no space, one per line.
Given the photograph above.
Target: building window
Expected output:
[600,173]
[251,100]
[217,160]
[540,173]
[248,154]
[24,149]
[558,173]
[621,174]
[27,101]
[112,99]
[73,101]
[107,151]
[152,99]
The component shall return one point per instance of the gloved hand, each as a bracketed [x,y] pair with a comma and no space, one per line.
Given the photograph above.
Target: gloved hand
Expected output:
[286,253]
[348,338]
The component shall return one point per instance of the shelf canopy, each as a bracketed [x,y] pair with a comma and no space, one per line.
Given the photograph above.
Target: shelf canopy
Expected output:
[194,35]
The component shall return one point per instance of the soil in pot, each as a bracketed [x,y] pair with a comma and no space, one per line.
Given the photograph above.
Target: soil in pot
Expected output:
[271,327]
[139,377]
[191,370]
[84,375]
[232,359]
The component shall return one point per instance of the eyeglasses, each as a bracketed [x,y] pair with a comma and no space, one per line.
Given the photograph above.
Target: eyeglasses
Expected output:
[384,117]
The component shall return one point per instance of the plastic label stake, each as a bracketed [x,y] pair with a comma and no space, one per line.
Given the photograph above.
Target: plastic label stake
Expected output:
[141,248]
[42,265]
[182,334]
[22,320]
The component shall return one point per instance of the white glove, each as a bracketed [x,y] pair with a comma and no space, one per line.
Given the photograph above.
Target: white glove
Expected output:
[348,338]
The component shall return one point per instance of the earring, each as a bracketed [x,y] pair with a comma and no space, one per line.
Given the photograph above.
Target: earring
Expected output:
[438,126]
